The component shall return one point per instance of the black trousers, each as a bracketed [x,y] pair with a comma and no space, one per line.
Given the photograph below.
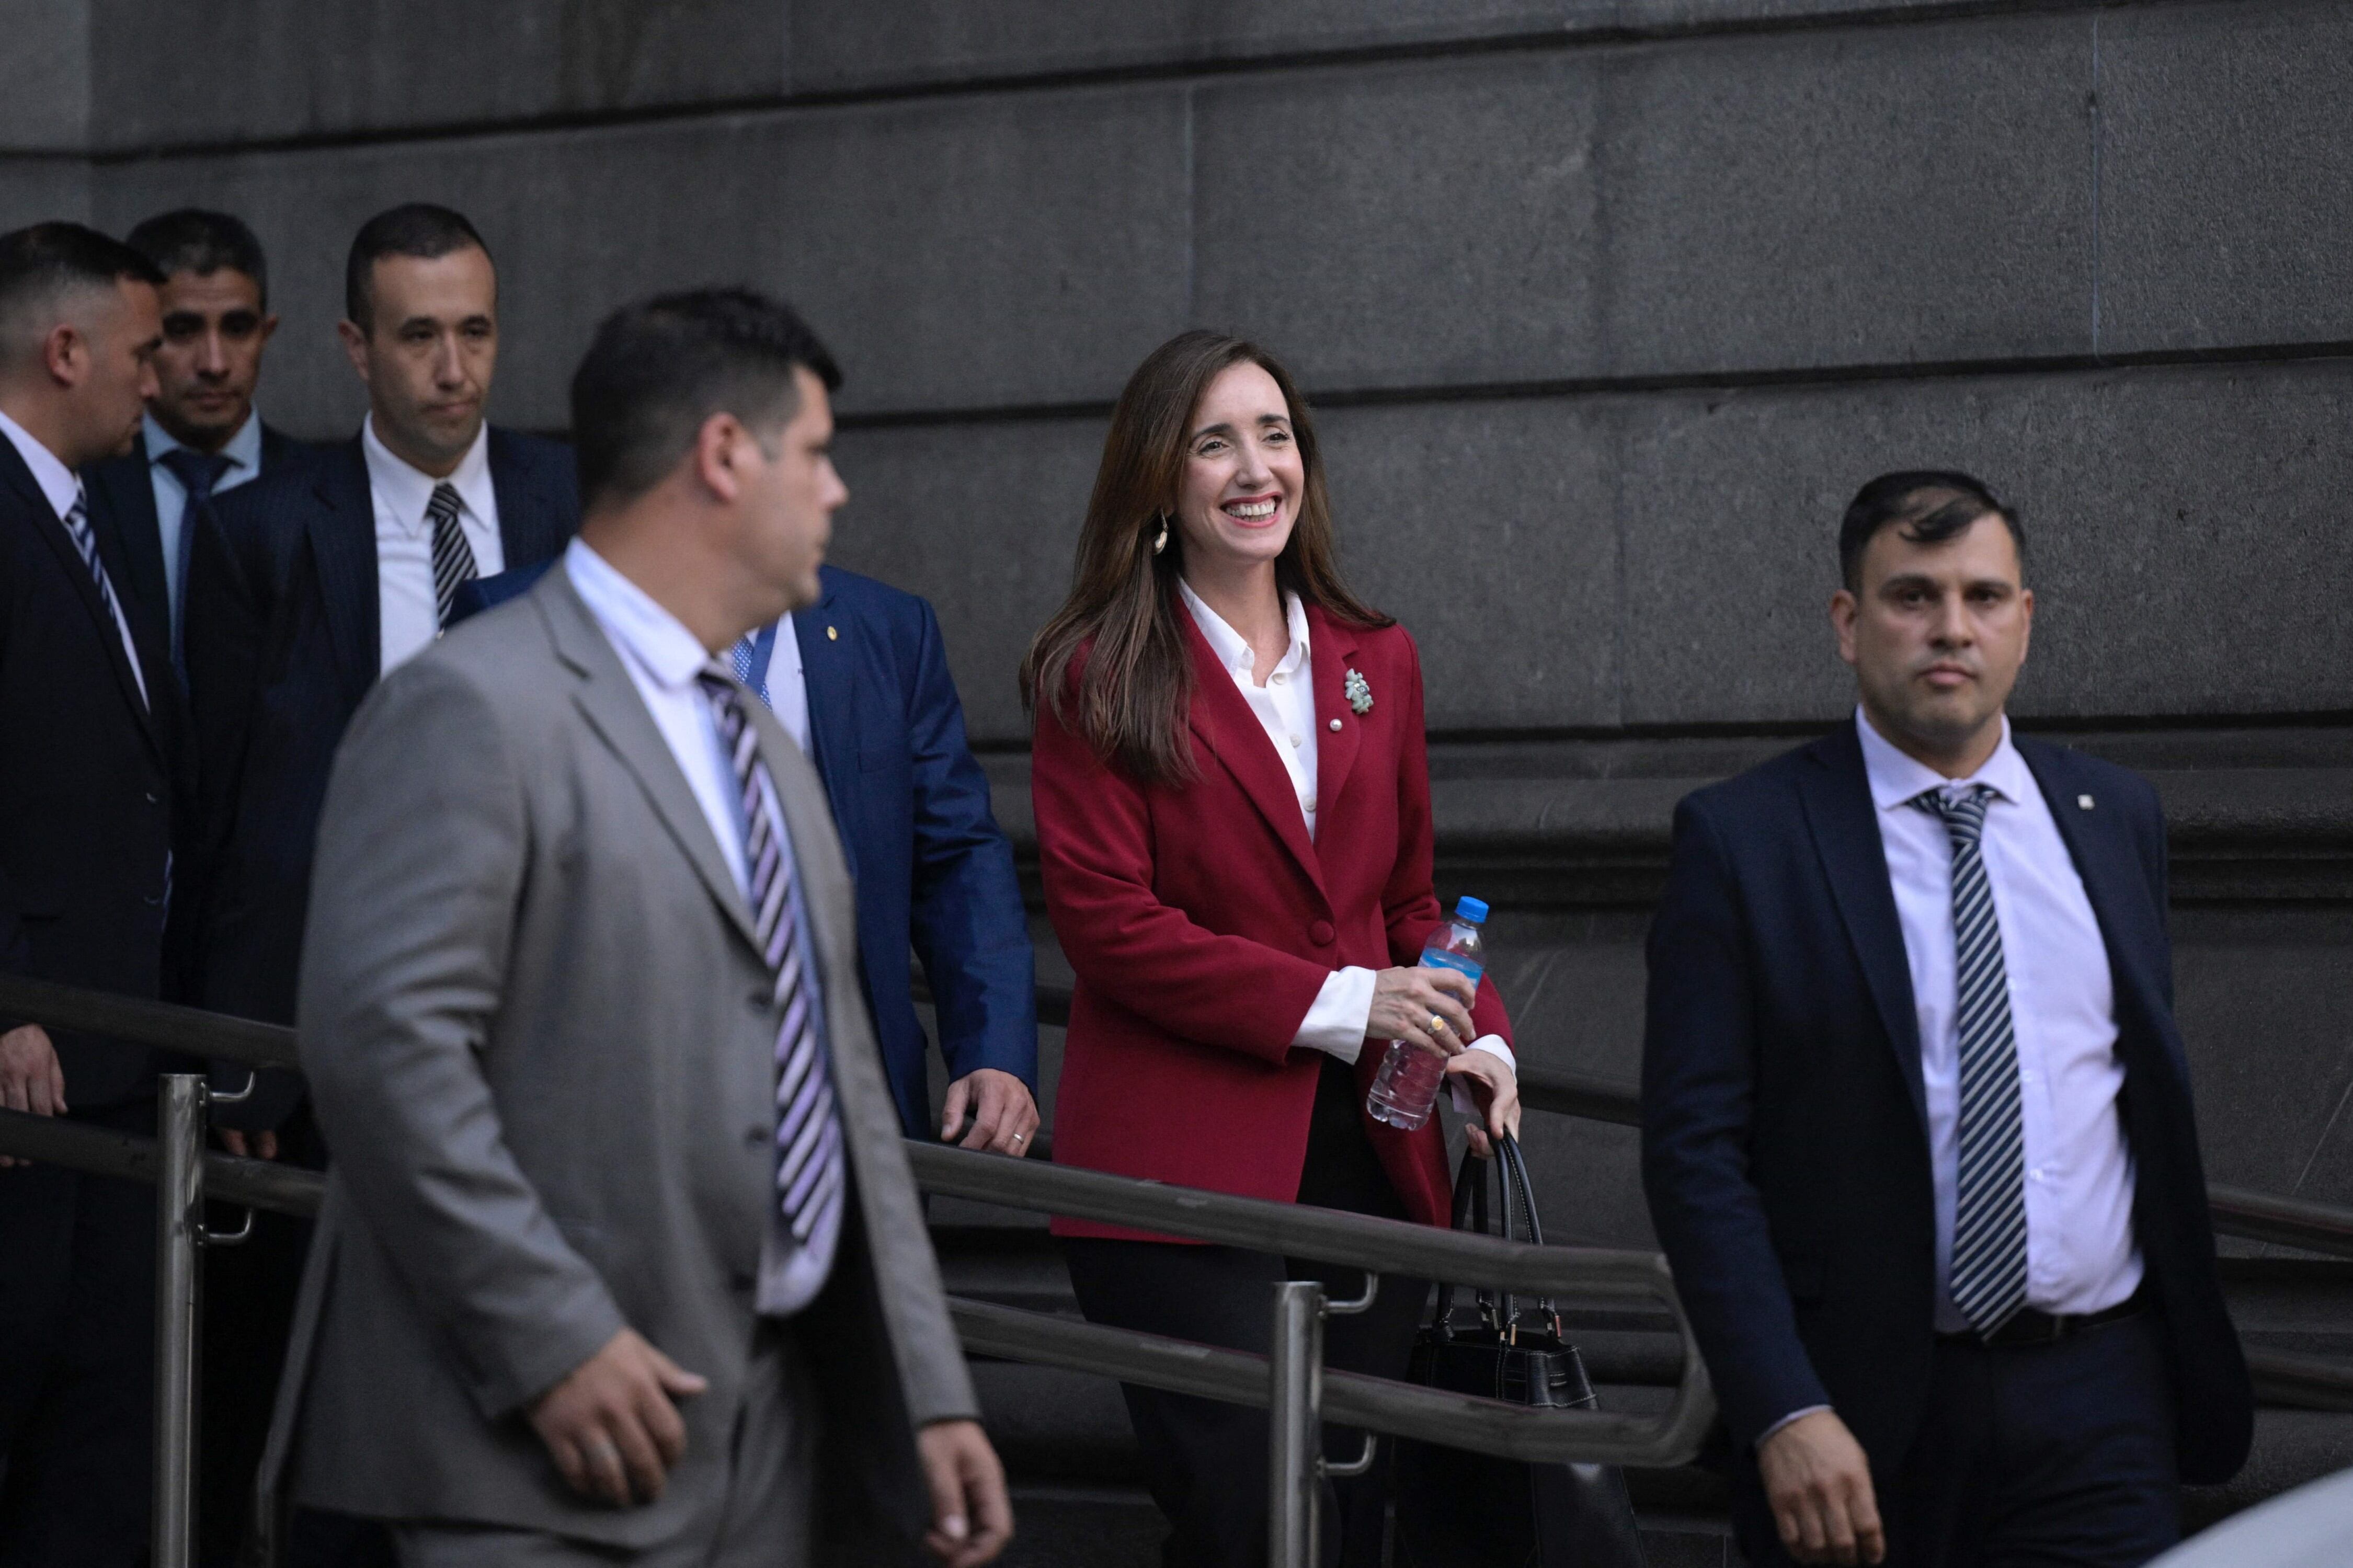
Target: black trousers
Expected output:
[77,1361]
[248,1316]
[1206,1461]
[2060,1456]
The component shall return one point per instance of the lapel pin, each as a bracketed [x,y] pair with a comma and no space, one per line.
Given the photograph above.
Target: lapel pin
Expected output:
[1360,695]
[2083,802]
[832,635]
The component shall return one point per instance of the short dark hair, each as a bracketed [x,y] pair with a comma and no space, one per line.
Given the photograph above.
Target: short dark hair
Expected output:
[418,228]
[191,240]
[1930,505]
[657,369]
[40,264]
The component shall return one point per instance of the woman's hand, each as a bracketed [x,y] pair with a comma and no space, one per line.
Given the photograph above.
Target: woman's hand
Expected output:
[1496,1088]
[1427,1007]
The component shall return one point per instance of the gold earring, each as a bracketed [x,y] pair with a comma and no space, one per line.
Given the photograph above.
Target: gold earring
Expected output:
[1160,542]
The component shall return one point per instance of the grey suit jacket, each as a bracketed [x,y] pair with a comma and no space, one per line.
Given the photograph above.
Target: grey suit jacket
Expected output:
[541,1043]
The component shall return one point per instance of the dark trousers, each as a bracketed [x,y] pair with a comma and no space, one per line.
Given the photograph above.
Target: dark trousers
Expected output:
[2059,1455]
[248,1316]
[1206,1461]
[77,1361]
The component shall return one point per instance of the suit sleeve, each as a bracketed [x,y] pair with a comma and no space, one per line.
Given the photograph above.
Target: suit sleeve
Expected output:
[1095,850]
[1698,1094]
[970,929]
[1409,901]
[421,859]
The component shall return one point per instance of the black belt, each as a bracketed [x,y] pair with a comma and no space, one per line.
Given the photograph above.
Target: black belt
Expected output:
[2029,1326]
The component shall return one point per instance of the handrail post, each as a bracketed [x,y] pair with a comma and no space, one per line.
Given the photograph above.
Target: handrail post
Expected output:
[1294,1424]
[179,1217]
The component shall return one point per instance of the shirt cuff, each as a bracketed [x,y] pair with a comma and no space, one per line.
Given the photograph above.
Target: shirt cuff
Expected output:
[1494,1047]
[1794,1415]
[1336,1025]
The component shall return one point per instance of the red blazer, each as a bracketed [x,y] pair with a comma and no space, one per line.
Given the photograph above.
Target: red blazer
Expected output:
[1202,921]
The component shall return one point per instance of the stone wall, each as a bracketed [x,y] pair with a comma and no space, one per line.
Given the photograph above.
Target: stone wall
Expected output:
[1607,308]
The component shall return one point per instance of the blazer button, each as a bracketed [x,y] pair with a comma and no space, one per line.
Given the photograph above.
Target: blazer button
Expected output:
[1320,933]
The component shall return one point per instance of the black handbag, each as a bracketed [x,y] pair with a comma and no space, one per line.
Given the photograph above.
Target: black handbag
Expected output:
[1457,1509]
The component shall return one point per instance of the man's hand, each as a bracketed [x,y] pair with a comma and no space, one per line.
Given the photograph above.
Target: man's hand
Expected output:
[30,1078]
[611,1426]
[1003,1117]
[1819,1485]
[971,1516]
[262,1145]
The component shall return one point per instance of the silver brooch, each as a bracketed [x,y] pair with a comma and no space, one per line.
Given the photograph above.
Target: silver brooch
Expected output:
[1360,695]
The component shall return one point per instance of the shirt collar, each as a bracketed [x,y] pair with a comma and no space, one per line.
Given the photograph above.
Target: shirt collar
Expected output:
[647,635]
[57,481]
[405,491]
[1233,653]
[1897,780]
[243,451]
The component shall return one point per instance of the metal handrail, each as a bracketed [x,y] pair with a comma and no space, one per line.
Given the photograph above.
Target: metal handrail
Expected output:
[2239,1211]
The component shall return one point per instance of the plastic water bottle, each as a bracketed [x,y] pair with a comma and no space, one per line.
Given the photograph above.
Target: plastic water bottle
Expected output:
[1404,1090]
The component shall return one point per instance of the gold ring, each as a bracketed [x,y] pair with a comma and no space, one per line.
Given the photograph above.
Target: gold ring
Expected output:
[1437,1023]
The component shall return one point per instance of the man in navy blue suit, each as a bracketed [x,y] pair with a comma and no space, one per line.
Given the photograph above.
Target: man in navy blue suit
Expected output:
[860,680]
[1918,1132]
[304,587]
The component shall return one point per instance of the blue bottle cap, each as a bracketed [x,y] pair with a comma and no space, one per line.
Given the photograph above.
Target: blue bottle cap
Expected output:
[1472,910]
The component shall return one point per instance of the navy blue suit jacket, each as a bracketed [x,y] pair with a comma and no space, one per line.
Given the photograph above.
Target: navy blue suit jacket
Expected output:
[933,872]
[122,500]
[1785,1135]
[283,639]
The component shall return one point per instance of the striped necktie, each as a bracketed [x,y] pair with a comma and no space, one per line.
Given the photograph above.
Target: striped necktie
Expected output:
[85,541]
[1988,1266]
[453,558]
[810,1171]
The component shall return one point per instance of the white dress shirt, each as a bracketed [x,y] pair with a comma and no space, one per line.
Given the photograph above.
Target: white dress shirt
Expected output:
[409,616]
[2081,1255]
[244,455]
[1286,709]
[784,685]
[61,486]
[663,659]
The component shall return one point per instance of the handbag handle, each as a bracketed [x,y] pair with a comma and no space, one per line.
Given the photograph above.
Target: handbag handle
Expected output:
[1470,1205]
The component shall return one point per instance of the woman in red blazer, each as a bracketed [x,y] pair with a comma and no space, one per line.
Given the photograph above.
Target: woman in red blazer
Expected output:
[1232,796]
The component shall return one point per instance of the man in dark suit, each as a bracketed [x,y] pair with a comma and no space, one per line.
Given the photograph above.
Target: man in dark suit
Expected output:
[303,589]
[1918,1128]
[89,795]
[202,436]
[860,680]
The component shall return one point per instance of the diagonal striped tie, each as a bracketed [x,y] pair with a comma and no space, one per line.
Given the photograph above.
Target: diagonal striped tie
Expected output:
[1988,1268]
[809,1166]
[85,541]
[453,558]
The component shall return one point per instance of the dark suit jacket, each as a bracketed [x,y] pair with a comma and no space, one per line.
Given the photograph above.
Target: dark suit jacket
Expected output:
[122,500]
[282,641]
[934,874]
[1784,1139]
[94,784]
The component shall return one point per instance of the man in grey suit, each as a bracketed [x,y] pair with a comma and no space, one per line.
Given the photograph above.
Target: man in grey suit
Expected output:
[620,1260]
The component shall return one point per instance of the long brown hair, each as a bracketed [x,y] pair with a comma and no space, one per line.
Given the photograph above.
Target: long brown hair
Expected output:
[1136,691]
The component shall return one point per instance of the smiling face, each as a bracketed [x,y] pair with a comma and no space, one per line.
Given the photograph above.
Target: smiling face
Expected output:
[1936,634]
[427,354]
[214,331]
[1239,495]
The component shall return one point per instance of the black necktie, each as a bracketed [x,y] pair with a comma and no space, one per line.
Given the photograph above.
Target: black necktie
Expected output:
[198,473]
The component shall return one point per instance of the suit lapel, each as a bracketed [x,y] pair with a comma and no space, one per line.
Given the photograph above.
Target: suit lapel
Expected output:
[342,548]
[127,494]
[1845,826]
[829,677]
[1331,645]
[528,530]
[45,523]
[1225,724]
[2110,873]
[610,701]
